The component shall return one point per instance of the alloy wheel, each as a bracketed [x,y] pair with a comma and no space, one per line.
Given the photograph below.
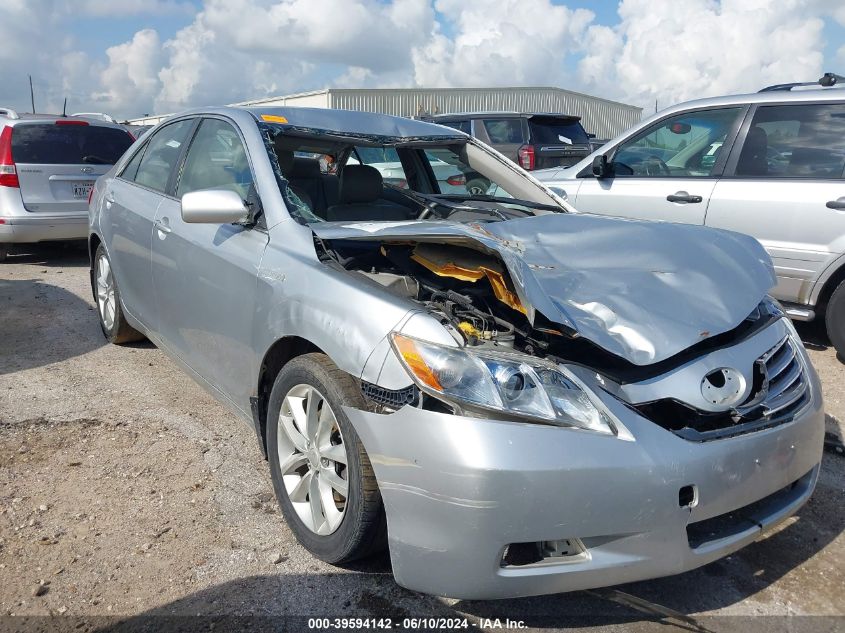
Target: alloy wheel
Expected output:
[312,459]
[106,302]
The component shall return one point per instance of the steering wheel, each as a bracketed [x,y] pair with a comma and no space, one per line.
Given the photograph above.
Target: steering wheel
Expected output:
[654,166]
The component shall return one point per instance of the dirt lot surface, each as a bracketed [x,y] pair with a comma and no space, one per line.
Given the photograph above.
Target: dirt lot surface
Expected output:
[126,489]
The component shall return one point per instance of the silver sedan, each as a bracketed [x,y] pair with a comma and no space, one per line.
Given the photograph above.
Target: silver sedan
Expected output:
[514,399]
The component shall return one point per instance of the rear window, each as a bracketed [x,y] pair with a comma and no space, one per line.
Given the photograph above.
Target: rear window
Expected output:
[557,131]
[504,130]
[53,144]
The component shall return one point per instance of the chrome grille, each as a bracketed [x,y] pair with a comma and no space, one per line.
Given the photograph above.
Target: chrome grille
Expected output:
[786,379]
[781,391]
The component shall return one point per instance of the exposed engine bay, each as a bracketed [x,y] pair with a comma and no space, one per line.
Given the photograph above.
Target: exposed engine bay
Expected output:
[473,295]
[471,292]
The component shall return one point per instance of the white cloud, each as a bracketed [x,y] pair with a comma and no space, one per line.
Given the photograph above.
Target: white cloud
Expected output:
[500,43]
[233,50]
[674,51]
[131,76]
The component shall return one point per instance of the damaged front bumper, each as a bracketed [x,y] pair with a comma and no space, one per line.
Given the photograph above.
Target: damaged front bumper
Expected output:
[459,492]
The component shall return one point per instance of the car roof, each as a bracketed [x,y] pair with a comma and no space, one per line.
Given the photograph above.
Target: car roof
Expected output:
[25,117]
[774,96]
[503,115]
[341,123]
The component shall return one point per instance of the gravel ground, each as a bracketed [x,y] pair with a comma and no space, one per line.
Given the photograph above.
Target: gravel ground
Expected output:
[125,489]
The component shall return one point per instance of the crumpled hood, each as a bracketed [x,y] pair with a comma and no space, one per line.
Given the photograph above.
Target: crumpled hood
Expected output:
[641,290]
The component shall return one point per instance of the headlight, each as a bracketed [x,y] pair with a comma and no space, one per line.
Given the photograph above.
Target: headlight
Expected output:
[512,383]
[772,306]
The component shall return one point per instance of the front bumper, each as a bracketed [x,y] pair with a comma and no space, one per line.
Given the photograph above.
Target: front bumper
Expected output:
[42,228]
[458,490]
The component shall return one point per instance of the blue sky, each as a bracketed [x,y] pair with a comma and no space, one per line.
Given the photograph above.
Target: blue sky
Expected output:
[130,57]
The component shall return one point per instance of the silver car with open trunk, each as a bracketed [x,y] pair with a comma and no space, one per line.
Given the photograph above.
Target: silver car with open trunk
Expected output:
[514,399]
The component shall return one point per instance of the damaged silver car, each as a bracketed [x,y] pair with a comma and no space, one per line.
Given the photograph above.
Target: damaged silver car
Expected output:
[514,399]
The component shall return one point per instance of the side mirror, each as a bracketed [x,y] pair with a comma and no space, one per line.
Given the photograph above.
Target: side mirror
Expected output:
[213,206]
[601,168]
[559,191]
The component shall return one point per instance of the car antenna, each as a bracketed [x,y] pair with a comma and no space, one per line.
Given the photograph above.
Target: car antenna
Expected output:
[64,108]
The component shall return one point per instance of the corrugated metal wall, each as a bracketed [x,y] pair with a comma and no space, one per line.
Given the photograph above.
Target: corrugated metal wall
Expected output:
[601,117]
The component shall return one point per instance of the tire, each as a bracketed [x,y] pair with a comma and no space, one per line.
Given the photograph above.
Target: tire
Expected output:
[477,186]
[109,310]
[4,252]
[835,320]
[341,530]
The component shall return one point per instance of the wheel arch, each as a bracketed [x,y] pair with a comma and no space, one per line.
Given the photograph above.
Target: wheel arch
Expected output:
[830,284]
[94,242]
[281,352]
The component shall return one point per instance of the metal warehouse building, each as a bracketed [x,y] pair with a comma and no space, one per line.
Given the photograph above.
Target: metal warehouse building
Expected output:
[602,117]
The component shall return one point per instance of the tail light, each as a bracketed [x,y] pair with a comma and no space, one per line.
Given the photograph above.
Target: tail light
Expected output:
[526,157]
[8,172]
[458,180]
[91,194]
[71,122]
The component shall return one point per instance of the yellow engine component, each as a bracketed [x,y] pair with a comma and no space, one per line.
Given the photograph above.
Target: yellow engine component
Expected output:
[469,329]
[467,265]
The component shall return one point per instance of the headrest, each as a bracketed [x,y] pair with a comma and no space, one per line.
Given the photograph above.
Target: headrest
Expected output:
[360,183]
[304,168]
[285,156]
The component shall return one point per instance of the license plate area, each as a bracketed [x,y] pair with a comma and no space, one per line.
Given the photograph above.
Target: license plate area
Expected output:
[81,189]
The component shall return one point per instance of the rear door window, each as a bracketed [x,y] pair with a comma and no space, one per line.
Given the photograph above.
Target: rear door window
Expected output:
[504,130]
[77,144]
[463,126]
[794,141]
[557,131]
[162,154]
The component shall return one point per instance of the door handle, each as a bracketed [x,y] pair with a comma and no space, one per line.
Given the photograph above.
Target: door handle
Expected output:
[836,205]
[683,196]
[163,226]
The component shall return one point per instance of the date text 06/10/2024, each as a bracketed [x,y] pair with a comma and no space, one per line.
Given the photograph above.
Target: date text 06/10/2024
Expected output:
[411,624]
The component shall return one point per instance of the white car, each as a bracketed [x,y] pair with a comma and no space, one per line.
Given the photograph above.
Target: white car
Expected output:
[769,164]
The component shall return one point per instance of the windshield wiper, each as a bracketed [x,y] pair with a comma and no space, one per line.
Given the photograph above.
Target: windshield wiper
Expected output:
[500,200]
[431,201]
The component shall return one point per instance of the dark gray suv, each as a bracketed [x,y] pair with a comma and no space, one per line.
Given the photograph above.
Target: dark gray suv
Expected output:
[533,141]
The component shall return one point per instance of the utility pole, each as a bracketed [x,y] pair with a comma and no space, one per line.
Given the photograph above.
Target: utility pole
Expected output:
[31,94]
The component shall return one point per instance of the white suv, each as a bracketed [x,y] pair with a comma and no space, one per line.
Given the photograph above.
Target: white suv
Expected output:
[769,164]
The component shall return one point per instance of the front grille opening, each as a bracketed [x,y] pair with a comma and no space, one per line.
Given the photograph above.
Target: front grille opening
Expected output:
[780,390]
[522,554]
[757,514]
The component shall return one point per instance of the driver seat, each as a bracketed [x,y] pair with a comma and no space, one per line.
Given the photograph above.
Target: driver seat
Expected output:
[361,189]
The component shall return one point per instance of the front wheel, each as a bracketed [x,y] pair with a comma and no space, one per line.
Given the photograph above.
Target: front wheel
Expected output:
[835,320]
[112,321]
[321,474]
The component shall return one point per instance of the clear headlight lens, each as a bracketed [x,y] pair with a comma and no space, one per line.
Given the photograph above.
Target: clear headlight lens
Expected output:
[512,383]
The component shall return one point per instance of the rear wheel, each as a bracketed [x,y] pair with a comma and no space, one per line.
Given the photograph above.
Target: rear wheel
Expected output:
[321,474]
[835,320]
[112,320]
[477,186]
